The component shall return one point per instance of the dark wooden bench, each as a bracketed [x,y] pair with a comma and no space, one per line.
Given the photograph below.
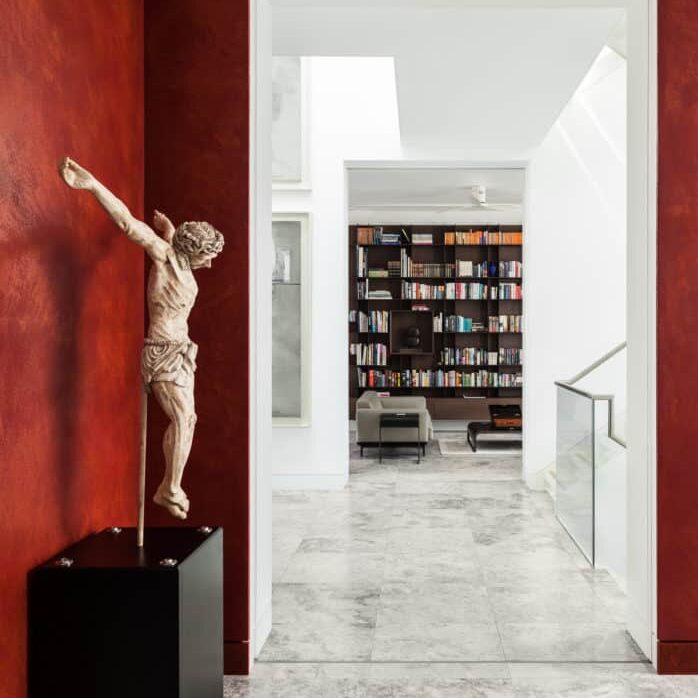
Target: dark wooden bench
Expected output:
[504,419]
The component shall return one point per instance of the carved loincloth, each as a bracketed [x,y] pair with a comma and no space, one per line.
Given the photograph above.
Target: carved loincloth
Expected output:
[173,362]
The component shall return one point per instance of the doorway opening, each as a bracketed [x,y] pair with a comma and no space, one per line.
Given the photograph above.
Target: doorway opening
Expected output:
[461,558]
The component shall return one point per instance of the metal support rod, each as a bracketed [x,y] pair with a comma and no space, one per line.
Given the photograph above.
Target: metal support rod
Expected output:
[141,471]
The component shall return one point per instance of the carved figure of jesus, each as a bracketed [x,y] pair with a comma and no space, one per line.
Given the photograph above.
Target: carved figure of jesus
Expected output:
[168,360]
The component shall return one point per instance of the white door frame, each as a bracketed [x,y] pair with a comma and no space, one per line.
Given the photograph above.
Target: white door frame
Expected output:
[641,315]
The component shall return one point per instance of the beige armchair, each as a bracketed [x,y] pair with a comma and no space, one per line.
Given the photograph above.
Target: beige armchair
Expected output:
[369,407]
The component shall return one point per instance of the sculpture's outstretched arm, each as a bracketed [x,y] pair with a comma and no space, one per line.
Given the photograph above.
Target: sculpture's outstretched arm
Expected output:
[162,223]
[79,178]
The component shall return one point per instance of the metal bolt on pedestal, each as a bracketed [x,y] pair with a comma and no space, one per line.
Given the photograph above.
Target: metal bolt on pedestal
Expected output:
[205,530]
[168,562]
[64,562]
[115,530]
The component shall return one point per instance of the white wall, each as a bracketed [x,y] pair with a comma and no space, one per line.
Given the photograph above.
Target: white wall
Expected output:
[574,250]
[260,251]
[641,322]
[352,115]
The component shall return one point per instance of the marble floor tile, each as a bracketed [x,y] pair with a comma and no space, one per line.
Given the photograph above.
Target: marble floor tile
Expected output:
[322,643]
[461,688]
[573,639]
[458,642]
[632,680]
[313,605]
[512,561]
[685,686]
[346,541]
[547,604]
[335,568]
[388,671]
[435,566]
[433,603]
[444,578]
[421,515]
[461,680]
[416,539]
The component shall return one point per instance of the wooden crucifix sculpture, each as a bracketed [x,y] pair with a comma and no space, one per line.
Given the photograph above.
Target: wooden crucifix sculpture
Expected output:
[168,360]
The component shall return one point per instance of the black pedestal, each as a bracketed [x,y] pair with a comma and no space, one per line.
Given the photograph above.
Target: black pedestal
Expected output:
[125,622]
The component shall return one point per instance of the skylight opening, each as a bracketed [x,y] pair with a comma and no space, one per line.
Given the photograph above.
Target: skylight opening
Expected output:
[359,95]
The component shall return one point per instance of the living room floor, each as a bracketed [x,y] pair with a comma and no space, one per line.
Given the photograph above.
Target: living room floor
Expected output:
[448,578]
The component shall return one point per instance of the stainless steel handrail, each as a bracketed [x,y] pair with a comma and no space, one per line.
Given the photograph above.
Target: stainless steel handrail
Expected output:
[569,385]
[597,363]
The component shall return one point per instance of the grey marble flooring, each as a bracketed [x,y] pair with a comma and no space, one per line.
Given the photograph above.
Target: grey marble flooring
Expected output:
[448,578]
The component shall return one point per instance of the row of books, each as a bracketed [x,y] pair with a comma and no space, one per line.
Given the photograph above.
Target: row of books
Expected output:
[461,268]
[511,270]
[509,356]
[391,272]
[472,356]
[483,237]
[468,356]
[439,378]
[459,323]
[468,268]
[361,261]
[505,323]
[376,354]
[461,290]
[452,290]
[418,291]
[373,321]
[426,269]
[375,235]
[508,291]
[495,324]
[369,354]
[363,292]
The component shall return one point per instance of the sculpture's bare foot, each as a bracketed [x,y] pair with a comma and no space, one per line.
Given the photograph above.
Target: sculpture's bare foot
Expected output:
[75,176]
[178,496]
[177,505]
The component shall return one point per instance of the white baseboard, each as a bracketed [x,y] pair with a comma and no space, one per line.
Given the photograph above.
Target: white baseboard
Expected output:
[536,481]
[642,634]
[262,629]
[309,481]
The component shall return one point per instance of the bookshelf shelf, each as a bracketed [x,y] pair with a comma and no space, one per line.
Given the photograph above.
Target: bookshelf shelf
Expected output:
[410,268]
[440,278]
[494,244]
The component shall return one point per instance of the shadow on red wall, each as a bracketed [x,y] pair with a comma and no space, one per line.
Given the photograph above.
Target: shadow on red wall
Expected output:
[71,297]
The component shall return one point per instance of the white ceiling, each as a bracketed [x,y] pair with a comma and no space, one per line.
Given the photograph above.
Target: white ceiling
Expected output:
[432,188]
[472,84]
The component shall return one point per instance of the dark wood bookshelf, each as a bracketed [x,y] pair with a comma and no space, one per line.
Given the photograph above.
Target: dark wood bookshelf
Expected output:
[444,402]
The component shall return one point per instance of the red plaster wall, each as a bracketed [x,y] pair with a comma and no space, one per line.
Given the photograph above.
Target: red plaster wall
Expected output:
[196,124]
[71,289]
[677,338]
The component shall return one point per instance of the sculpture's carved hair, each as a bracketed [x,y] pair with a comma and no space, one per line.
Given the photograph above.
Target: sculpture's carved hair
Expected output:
[197,238]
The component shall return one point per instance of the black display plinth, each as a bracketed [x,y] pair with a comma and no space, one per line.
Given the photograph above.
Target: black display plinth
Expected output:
[125,622]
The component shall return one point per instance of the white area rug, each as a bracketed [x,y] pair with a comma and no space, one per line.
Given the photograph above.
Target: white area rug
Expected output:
[497,446]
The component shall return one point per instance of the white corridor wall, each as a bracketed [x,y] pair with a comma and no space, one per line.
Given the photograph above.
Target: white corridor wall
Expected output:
[352,114]
[575,250]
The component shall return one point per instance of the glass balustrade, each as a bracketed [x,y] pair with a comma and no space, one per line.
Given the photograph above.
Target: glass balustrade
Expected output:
[590,492]
[574,488]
